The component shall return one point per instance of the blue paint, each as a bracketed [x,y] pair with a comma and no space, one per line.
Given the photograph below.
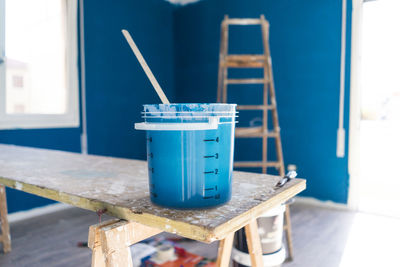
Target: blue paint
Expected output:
[190,168]
[305,49]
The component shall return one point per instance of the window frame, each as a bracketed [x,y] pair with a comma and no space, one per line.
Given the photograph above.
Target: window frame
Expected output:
[71,118]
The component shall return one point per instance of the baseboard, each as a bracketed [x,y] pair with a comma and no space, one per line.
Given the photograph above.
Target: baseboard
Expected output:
[27,214]
[322,204]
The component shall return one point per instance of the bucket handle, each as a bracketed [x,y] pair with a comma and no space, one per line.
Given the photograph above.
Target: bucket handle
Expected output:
[212,124]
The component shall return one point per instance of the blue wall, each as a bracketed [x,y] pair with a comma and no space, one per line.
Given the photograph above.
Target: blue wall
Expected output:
[61,139]
[305,48]
[116,85]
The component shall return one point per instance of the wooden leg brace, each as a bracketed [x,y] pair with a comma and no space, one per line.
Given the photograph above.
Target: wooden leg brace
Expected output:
[288,234]
[5,228]
[253,242]
[110,242]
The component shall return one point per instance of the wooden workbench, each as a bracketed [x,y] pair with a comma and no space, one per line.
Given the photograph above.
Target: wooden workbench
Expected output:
[120,188]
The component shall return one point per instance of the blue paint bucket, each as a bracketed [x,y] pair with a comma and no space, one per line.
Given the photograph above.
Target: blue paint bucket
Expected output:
[189,153]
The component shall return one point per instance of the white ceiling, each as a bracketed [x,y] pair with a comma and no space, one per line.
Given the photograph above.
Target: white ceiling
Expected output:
[182,2]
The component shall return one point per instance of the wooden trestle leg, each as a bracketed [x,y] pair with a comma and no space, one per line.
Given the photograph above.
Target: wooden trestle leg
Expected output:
[5,228]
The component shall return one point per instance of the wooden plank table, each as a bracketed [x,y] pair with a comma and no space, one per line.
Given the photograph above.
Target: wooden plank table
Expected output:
[119,187]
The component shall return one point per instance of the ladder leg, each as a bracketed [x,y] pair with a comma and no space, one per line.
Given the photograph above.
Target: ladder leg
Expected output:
[278,147]
[278,141]
[5,228]
[264,155]
[265,124]
[224,89]
[265,98]
[220,81]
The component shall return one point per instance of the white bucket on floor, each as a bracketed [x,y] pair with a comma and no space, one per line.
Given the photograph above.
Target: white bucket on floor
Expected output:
[270,260]
[270,229]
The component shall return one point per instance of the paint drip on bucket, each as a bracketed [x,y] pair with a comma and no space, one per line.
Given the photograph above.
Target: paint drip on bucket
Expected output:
[189,153]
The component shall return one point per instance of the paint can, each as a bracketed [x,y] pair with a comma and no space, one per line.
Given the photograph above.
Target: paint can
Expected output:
[270,229]
[189,153]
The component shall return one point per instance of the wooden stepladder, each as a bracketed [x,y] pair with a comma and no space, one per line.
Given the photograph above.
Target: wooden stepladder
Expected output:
[263,61]
[5,229]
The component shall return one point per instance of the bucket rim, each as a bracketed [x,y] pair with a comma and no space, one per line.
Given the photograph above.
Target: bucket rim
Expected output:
[171,104]
[190,107]
[188,117]
[191,112]
[185,111]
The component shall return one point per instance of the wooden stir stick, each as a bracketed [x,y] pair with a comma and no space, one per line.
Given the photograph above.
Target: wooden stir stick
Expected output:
[145,67]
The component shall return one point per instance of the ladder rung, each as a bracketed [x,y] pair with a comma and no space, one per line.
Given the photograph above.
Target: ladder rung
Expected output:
[243,21]
[245,61]
[247,130]
[246,57]
[250,164]
[245,81]
[254,132]
[254,107]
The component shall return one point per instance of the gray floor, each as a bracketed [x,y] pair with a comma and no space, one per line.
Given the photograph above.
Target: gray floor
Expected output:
[322,237]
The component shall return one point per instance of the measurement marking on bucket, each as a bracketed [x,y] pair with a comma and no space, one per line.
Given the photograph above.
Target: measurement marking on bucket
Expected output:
[213,156]
[211,188]
[209,172]
[169,140]
[212,140]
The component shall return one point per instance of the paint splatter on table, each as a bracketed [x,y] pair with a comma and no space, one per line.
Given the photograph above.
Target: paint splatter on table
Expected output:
[120,186]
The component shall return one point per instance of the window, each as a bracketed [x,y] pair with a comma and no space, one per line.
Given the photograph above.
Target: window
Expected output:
[18,81]
[19,108]
[38,64]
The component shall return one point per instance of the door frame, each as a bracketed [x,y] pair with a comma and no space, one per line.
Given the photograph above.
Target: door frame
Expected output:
[355,106]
